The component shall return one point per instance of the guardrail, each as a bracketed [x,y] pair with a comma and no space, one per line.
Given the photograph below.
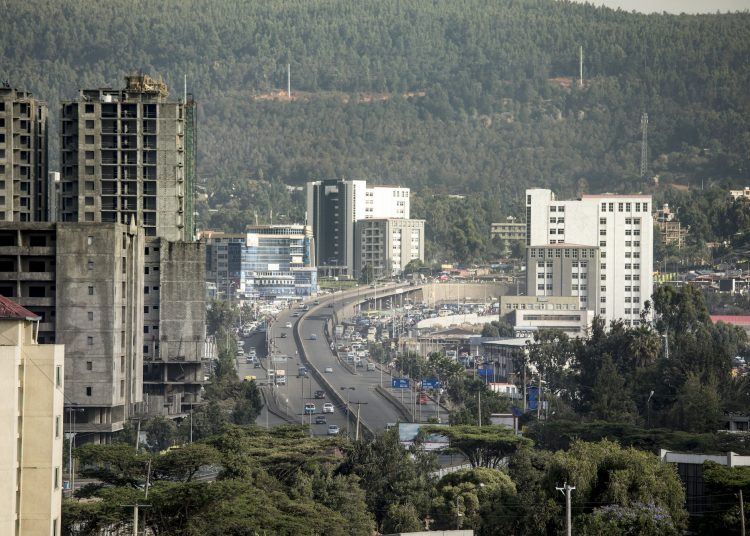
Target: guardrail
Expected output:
[334,393]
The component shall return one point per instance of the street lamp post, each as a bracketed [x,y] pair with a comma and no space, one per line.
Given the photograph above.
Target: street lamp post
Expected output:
[347,389]
[648,410]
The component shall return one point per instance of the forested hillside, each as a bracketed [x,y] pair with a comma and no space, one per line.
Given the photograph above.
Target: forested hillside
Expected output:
[473,97]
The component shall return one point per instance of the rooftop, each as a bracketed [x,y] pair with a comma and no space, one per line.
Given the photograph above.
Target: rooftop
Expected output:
[10,310]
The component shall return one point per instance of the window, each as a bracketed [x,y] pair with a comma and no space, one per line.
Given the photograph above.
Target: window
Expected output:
[574,287]
[602,311]
[90,341]
[58,376]
[636,255]
[57,426]
[540,286]
[628,207]
[619,207]
[603,243]
[603,288]
[645,207]
[145,308]
[57,477]
[627,254]
[88,140]
[628,289]
[604,266]
[627,299]
[91,291]
[89,108]
[561,209]
[90,315]
[89,365]
[602,232]
[628,232]
[628,266]
[603,277]
[628,311]
[88,391]
[603,299]
[628,221]
[604,209]
[628,277]
[637,244]
[553,209]
[549,286]
[628,243]
[540,275]
[90,265]
[636,266]
[636,277]
[636,310]
[636,232]
[611,207]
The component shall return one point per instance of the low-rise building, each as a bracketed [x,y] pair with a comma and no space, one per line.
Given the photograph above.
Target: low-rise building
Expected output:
[31,425]
[670,230]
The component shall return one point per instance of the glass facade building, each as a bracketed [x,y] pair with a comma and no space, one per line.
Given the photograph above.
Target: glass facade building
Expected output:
[277,262]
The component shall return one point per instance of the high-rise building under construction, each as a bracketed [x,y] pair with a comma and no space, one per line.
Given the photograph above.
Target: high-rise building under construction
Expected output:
[129,154]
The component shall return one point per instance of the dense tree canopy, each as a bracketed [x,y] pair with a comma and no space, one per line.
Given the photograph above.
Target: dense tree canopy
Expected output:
[471,97]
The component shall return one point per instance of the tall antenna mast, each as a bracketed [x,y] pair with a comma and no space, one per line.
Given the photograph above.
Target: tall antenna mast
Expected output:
[289,80]
[580,67]
[644,144]
[185,91]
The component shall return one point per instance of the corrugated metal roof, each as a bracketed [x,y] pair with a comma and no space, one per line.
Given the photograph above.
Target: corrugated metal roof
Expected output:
[736,320]
[10,310]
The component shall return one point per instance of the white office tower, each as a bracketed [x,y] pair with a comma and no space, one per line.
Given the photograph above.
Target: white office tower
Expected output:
[615,232]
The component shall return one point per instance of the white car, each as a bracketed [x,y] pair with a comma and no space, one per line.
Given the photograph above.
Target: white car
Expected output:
[288,325]
[333,429]
[329,370]
[327,407]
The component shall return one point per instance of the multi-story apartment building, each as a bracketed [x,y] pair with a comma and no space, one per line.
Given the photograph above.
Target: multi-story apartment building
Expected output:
[619,231]
[508,231]
[85,283]
[23,157]
[333,207]
[129,154]
[278,261]
[387,245]
[31,426]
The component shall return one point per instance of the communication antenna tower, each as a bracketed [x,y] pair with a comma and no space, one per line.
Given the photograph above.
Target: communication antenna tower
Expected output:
[644,144]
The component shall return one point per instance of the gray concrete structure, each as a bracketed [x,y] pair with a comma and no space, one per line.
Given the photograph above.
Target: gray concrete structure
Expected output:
[23,157]
[174,326]
[129,154]
[85,281]
[387,244]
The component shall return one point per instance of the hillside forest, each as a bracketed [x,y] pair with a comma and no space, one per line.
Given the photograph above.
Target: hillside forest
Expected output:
[475,98]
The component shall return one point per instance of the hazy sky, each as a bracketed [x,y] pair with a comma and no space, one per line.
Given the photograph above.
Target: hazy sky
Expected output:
[675,6]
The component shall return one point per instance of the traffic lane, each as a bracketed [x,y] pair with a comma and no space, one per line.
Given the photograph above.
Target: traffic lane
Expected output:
[376,411]
[300,391]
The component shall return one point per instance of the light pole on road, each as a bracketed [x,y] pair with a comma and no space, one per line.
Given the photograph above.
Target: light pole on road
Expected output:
[347,389]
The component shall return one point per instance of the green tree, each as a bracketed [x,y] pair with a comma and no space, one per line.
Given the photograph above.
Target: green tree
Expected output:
[488,446]
[698,405]
[248,405]
[161,433]
[612,401]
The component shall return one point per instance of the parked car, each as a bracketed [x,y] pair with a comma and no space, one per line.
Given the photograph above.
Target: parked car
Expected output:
[333,429]
[320,419]
[320,394]
[309,409]
[327,407]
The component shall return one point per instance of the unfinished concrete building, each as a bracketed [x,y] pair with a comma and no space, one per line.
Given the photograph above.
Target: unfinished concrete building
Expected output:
[85,281]
[23,157]
[129,154]
[174,326]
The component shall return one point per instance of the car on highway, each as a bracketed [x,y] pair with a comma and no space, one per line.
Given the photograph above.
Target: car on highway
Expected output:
[313,337]
[370,366]
[256,364]
[320,393]
[327,407]
[333,429]
[288,325]
[316,302]
[320,419]
[422,399]
[328,370]
[309,409]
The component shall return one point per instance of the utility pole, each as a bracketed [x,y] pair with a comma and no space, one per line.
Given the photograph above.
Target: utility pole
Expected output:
[356,432]
[742,515]
[644,144]
[479,395]
[565,490]
[580,67]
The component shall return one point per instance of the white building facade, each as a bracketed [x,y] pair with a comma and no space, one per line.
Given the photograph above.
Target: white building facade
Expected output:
[619,227]
[333,208]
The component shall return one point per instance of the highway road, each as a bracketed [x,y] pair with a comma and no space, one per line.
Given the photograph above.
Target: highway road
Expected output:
[376,411]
